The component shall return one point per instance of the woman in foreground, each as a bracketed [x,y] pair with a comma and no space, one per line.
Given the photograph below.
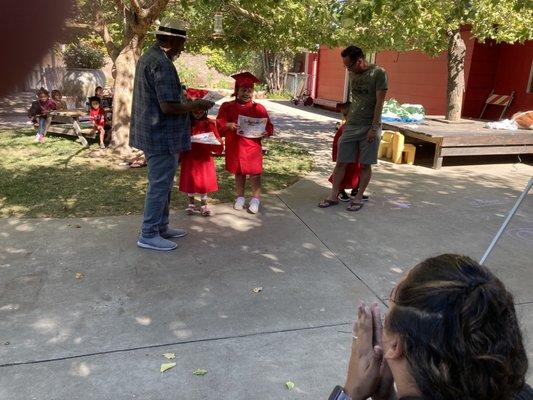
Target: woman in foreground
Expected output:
[451,333]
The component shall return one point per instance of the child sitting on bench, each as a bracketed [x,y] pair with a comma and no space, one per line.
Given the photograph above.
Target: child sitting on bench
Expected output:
[97,116]
[39,110]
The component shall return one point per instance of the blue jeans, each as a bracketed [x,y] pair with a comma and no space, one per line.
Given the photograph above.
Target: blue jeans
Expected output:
[161,171]
[42,125]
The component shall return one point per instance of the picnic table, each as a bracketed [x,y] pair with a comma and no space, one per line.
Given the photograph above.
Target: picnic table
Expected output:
[69,124]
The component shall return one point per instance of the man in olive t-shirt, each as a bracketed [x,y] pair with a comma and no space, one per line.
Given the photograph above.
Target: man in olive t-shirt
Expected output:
[362,132]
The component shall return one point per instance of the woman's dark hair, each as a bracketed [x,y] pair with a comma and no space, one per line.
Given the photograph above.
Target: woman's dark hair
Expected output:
[459,329]
[42,90]
[56,91]
[94,98]
[353,52]
[96,89]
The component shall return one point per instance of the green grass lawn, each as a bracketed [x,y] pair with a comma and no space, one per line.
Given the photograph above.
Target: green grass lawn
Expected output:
[61,179]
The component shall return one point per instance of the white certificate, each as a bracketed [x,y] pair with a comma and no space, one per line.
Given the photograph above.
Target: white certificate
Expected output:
[205,138]
[213,96]
[251,127]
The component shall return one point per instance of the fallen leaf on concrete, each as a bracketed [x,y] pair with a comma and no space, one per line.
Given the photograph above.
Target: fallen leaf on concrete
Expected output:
[289,385]
[80,275]
[169,356]
[257,289]
[167,366]
[200,372]
[77,226]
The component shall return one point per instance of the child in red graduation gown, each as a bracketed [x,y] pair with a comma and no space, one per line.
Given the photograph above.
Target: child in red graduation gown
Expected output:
[244,155]
[351,176]
[198,171]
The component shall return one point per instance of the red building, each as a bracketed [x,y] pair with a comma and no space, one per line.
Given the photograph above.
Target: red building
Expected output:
[417,78]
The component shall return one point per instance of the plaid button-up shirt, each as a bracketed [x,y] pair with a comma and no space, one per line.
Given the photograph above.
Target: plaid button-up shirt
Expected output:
[156,80]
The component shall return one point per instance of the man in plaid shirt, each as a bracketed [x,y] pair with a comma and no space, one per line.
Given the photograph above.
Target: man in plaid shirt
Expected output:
[160,127]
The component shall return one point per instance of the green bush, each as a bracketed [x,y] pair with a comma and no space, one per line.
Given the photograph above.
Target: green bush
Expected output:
[221,84]
[81,55]
[188,76]
[283,95]
[227,62]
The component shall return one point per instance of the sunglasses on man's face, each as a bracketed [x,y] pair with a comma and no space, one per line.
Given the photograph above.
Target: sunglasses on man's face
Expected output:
[350,67]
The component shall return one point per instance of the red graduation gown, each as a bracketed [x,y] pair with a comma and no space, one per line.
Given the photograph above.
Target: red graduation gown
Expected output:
[244,156]
[351,176]
[198,171]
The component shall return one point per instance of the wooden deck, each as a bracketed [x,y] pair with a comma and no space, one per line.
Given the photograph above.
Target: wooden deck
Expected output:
[464,139]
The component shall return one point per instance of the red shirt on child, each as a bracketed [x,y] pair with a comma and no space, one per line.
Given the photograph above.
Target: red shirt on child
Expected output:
[97,116]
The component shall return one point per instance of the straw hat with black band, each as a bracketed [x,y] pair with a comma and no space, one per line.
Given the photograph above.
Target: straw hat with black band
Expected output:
[172,27]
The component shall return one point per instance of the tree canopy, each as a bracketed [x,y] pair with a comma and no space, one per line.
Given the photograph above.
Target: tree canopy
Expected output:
[251,25]
[278,29]
[426,24]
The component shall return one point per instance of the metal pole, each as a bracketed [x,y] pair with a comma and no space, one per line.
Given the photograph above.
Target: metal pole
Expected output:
[507,220]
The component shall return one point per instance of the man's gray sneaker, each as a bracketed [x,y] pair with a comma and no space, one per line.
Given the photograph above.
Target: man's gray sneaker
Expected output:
[173,233]
[156,243]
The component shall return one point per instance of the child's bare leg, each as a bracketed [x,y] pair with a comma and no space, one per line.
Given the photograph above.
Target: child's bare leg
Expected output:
[102,135]
[190,207]
[255,180]
[205,210]
[240,182]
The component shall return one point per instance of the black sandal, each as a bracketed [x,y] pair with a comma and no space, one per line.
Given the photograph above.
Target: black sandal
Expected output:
[328,203]
[354,207]
[354,192]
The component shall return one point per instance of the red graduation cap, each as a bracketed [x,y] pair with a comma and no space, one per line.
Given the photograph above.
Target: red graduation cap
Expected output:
[244,79]
[193,94]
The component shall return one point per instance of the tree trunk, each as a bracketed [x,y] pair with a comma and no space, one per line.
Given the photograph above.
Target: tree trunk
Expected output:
[456,75]
[267,72]
[274,71]
[123,95]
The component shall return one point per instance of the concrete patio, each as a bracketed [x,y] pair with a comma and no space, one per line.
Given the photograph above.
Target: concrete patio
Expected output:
[102,335]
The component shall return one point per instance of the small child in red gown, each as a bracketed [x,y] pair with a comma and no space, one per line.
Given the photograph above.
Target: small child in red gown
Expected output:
[351,176]
[244,153]
[198,171]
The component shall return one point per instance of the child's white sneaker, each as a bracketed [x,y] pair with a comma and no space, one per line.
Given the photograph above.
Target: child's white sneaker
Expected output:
[254,205]
[239,203]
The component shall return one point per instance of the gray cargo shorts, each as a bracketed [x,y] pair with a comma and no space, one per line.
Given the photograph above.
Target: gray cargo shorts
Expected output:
[354,142]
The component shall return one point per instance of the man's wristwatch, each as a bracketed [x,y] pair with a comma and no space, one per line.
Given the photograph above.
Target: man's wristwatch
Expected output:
[339,394]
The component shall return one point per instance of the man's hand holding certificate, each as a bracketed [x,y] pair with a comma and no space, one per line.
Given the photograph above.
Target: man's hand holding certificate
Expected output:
[205,138]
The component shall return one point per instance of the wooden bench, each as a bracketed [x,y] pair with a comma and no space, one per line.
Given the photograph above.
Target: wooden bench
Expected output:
[70,128]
